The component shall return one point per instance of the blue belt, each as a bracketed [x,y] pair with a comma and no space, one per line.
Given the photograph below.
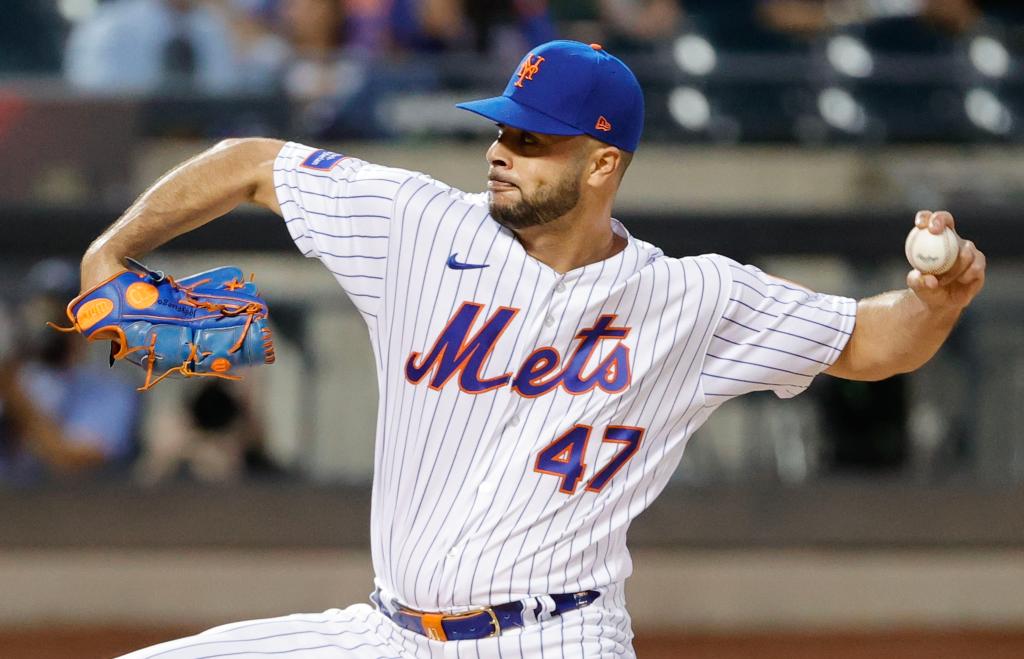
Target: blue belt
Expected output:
[482,623]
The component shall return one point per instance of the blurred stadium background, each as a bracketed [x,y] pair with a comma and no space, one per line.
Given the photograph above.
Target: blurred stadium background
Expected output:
[859,520]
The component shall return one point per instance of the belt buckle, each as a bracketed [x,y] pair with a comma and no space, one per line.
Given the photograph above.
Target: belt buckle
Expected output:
[494,621]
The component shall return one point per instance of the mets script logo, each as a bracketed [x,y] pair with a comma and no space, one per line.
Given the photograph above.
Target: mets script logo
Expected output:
[529,66]
[456,352]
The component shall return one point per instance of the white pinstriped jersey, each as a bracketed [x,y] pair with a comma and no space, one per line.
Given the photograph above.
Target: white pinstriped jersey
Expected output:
[527,416]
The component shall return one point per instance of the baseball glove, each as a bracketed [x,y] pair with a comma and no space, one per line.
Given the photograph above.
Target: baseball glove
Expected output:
[208,324]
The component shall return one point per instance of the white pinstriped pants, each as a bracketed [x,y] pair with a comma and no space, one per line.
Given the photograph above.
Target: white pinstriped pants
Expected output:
[361,632]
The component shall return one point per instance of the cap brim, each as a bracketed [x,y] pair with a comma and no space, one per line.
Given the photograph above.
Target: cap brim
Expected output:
[504,110]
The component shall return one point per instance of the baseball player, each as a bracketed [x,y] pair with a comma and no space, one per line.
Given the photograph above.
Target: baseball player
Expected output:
[540,370]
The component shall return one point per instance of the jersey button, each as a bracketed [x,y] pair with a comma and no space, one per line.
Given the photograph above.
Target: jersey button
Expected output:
[549,321]
[560,288]
[514,421]
[453,552]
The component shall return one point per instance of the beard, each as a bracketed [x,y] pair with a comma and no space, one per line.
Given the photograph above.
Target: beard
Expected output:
[540,208]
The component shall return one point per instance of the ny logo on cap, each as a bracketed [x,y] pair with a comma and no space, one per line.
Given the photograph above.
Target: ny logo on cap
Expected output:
[529,66]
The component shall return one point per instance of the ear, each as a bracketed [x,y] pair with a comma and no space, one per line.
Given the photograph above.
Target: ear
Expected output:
[605,162]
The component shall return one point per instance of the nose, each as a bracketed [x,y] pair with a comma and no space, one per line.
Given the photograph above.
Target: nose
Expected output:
[498,156]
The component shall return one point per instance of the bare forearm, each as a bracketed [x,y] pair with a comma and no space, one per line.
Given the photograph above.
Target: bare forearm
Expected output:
[190,195]
[897,333]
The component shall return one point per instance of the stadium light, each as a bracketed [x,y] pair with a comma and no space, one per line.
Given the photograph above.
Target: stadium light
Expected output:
[690,108]
[841,110]
[694,54]
[989,56]
[849,56]
[74,11]
[987,112]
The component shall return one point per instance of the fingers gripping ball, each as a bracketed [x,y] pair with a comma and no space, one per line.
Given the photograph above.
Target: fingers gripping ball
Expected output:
[208,324]
[932,254]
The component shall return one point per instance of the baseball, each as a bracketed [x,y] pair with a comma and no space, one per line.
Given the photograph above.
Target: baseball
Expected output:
[932,254]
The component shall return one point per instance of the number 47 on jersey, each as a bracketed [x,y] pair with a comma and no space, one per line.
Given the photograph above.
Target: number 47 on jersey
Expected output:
[564,456]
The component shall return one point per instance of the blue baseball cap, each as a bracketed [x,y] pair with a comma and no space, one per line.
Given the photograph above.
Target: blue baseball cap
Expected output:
[570,88]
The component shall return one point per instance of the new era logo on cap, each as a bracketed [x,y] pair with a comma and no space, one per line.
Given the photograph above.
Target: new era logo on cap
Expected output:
[570,88]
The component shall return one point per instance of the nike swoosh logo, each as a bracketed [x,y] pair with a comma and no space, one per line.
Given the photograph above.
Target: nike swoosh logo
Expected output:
[456,265]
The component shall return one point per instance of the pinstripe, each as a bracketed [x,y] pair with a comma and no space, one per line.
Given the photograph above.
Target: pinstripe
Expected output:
[293,651]
[331,178]
[775,299]
[333,216]
[209,637]
[778,331]
[297,188]
[772,368]
[786,352]
[723,377]
[815,322]
[287,620]
[344,236]
[361,632]
[752,308]
[351,256]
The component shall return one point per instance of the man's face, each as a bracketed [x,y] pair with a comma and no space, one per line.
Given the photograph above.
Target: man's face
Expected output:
[533,178]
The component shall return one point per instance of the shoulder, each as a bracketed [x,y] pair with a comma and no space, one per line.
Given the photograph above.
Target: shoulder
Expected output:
[698,270]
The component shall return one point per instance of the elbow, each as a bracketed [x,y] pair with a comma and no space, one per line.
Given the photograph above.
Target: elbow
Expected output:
[234,143]
[263,143]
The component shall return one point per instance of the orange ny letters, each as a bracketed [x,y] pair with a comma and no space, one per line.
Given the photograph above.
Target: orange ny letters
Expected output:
[530,66]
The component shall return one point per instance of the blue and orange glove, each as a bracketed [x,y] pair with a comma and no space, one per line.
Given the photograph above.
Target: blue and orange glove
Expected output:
[209,324]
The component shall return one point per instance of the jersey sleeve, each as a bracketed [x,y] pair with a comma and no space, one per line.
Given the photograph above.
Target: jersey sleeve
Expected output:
[772,335]
[340,210]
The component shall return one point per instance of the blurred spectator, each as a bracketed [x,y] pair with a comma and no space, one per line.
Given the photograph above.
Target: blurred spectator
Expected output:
[809,17]
[639,21]
[394,26]
[322,81]
[152,45]
[204,431]
[261,55]
[60,416]
[532,19]
[31,32]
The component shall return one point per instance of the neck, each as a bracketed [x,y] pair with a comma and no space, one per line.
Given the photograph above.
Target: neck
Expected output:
[572,241]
